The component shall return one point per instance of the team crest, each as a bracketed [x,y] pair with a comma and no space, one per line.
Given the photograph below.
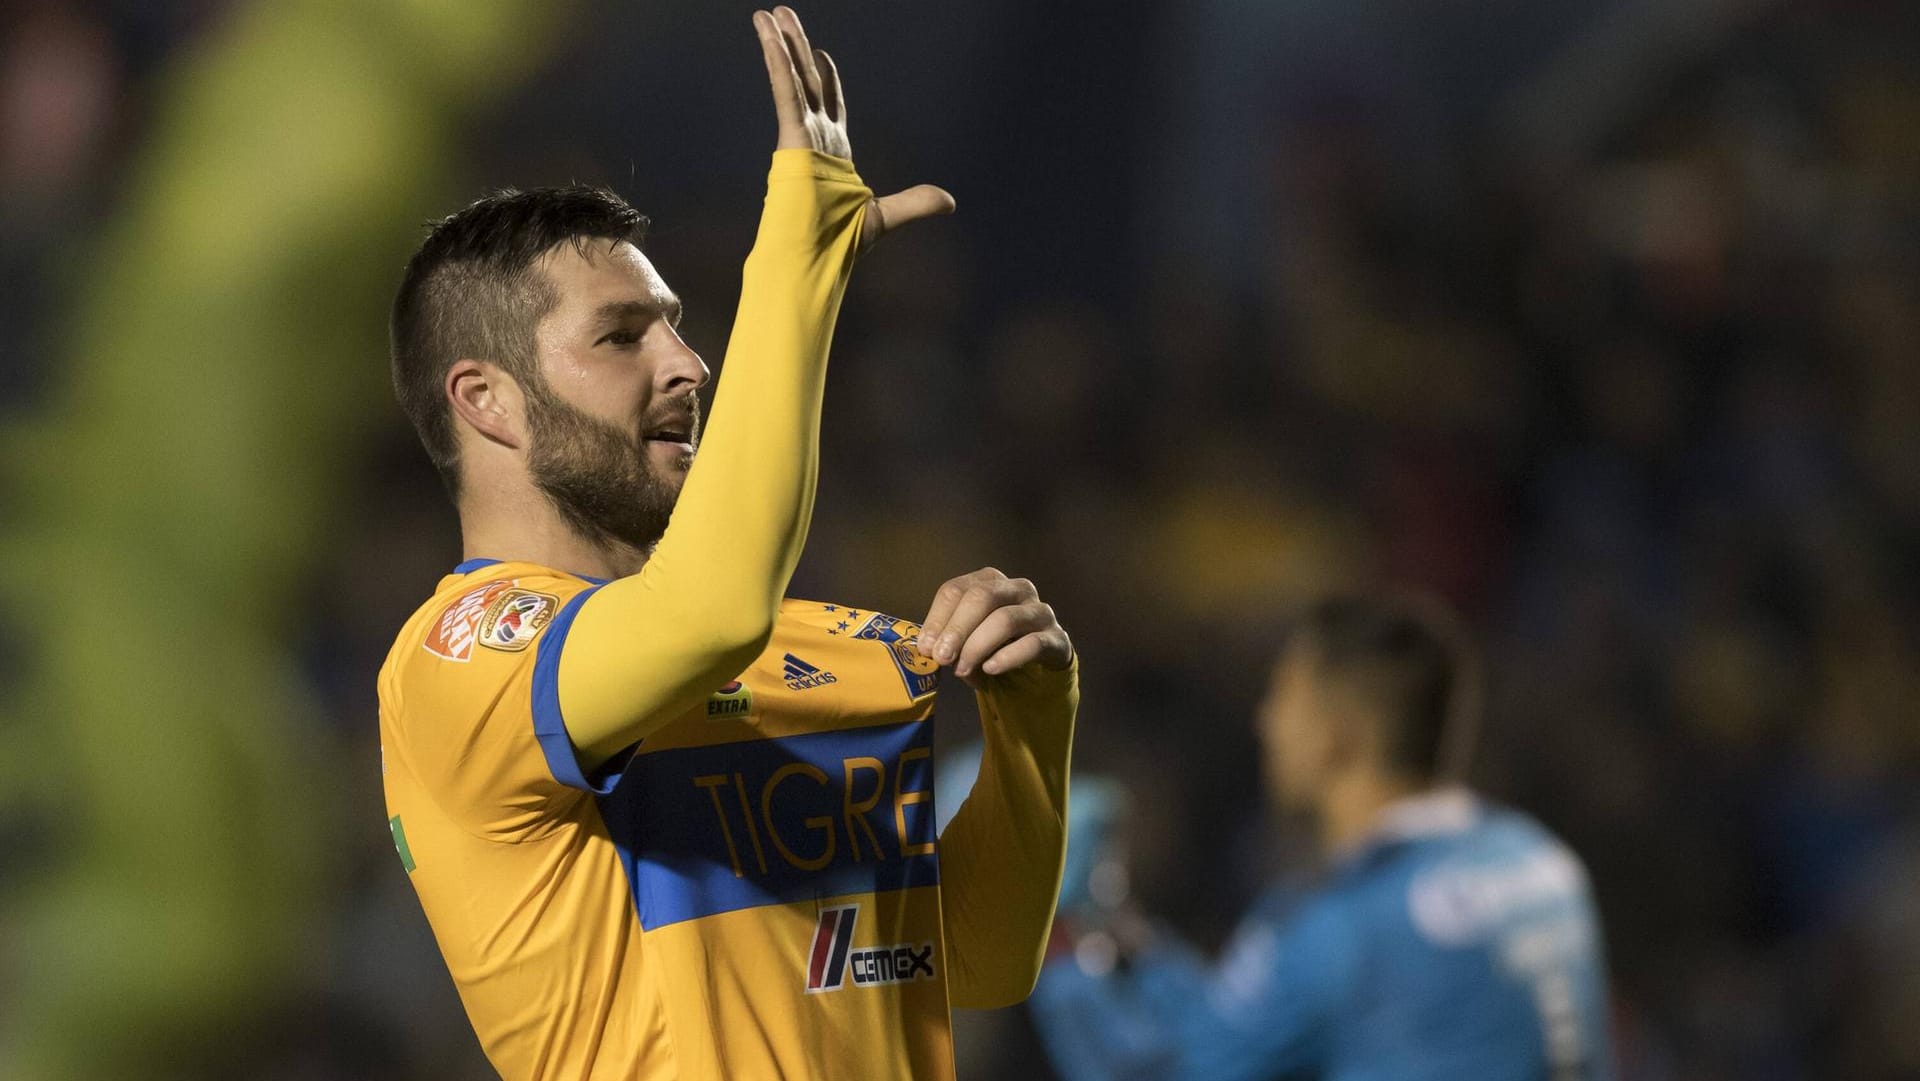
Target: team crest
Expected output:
[514,617]
[920,674]
[453,635]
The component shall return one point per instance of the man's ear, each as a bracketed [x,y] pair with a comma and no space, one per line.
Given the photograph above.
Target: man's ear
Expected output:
[488,400]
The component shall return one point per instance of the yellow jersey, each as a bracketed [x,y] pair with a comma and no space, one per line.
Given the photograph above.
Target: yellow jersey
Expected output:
[753,893]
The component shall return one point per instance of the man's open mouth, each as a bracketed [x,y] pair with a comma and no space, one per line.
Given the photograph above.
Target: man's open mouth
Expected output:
[681,438]
[677,429]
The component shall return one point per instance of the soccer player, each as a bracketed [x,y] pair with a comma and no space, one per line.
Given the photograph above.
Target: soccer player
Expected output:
[663,822]
[1452,941]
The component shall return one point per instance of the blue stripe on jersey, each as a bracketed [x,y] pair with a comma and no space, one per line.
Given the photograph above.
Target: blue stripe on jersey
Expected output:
[706,830]
[548,726]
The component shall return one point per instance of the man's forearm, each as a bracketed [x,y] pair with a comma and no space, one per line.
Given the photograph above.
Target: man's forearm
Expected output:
[701,608]
[1002,855]
[742,518]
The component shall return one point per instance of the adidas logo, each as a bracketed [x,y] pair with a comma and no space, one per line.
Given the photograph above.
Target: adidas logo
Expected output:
[800,675]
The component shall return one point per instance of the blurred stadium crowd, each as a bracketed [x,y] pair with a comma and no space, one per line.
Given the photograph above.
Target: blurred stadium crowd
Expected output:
[1599,318]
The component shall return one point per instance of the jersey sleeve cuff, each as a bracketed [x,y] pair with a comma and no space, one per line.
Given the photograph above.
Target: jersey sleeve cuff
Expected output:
[802,163]
[549,728]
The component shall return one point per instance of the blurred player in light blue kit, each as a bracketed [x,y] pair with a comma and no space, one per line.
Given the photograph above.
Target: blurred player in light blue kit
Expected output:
[1450,938]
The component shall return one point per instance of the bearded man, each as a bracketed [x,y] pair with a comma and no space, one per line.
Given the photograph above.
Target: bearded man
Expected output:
[664,822]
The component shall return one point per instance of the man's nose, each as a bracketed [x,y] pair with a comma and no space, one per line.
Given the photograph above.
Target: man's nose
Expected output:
[681,371]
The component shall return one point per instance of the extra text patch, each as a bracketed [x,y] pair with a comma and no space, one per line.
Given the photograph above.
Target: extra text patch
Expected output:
[733,700]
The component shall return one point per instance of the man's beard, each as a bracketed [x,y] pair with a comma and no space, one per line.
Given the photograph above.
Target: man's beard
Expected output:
[600,477]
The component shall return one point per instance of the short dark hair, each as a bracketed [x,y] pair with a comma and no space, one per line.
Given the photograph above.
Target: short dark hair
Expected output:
[473,290]
[1409,659]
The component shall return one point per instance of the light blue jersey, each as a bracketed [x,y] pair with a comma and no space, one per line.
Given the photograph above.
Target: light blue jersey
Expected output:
[1459,943]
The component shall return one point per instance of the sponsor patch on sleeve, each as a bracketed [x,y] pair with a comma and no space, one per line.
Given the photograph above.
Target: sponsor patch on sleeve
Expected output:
[512,619]
[452,635]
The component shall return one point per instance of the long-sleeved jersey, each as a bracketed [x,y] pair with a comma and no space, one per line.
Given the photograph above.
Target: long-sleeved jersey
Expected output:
[672,826]
[1460,943]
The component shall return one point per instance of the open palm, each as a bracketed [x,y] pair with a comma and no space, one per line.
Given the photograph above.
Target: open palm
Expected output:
[812,111]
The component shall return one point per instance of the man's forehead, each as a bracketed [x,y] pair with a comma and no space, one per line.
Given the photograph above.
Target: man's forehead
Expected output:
[598,272]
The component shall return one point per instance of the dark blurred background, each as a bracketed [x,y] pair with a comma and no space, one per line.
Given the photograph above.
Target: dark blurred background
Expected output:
[1598,317]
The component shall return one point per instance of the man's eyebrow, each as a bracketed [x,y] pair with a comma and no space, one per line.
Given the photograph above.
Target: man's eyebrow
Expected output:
[615,310]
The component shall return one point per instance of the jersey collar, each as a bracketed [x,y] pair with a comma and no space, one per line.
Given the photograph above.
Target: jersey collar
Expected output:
[1439,812]
[471,565]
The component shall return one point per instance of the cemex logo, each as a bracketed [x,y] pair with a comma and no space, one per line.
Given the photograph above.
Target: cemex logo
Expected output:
[833,956]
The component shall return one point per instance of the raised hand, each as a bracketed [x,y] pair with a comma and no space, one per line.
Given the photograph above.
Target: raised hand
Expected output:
[985,623]
[812,112]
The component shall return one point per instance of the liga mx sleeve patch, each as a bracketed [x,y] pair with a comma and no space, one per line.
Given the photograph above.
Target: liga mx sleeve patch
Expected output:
[513,618]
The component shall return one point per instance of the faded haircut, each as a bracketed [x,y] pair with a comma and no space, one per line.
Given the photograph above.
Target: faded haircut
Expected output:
[474,290]
[1411,662]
